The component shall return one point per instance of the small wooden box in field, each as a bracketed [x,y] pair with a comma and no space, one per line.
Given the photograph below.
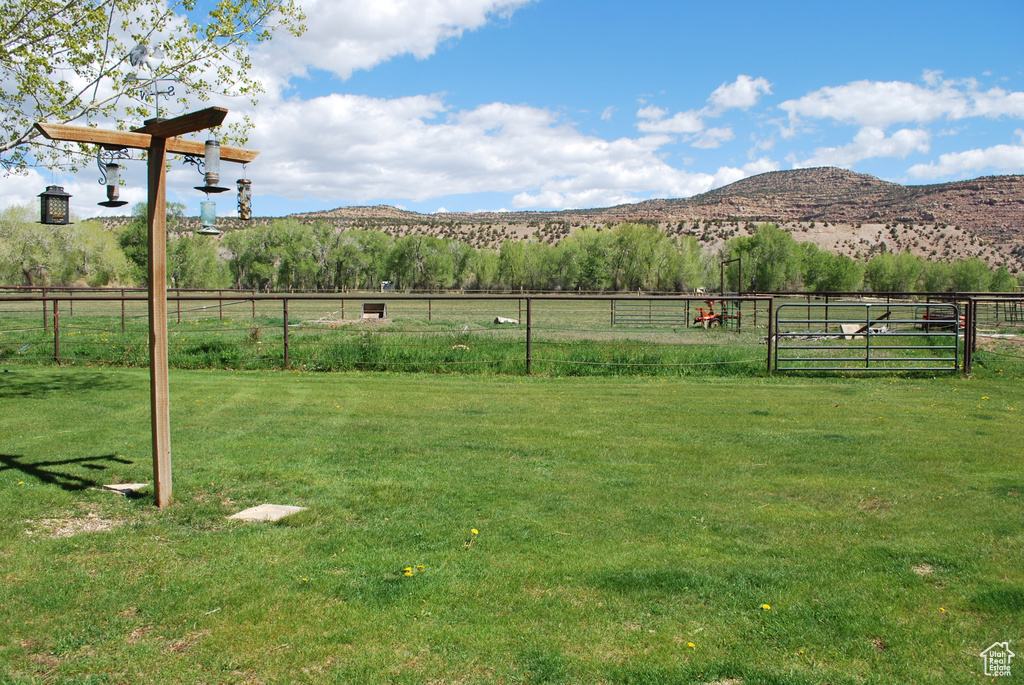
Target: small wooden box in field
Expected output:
[375,310]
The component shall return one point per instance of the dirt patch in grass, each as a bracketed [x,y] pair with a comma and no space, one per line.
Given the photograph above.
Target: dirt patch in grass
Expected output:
[88,520]
[138,634]
[186,643]
[992,344]
[875,505]
[923,569]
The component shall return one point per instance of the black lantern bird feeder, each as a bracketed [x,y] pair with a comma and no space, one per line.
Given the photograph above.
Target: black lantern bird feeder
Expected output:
[54,206]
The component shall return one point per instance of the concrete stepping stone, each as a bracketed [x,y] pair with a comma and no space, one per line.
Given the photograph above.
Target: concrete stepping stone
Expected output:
[266,512]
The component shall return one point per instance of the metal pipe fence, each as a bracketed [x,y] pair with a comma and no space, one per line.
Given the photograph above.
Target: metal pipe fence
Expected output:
[328,331]
[506,333]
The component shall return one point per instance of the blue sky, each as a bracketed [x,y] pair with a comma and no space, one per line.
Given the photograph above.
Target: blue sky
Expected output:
[466,105]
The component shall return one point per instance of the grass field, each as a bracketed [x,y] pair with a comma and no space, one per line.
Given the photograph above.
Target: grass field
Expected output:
[570,337]
[555,530]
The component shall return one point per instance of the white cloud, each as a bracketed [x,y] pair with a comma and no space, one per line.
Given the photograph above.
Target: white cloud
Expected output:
[875,103]
[1005,158]
[869,142]
[882,104]
[345,35]
[654,121]
[997,102]
[743,93]
[714,137]
[357,149]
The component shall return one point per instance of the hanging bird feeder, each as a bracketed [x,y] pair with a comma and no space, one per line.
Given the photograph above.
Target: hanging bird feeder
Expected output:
[244,199]
[208,218]
[111,176]
[54,206]
[211,162]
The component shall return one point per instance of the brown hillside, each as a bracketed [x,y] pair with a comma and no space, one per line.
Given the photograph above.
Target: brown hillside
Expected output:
[839,210]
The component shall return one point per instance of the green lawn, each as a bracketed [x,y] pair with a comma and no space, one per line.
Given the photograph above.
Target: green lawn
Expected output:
[630,530]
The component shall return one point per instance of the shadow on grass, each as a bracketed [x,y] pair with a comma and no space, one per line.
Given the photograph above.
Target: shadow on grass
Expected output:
[65,481]
[23,383]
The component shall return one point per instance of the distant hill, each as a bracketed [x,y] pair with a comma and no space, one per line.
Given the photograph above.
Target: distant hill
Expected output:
[847,212]
[843,211]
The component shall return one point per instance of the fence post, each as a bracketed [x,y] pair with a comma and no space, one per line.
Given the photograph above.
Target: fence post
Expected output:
[71,303]
[286,357]
[771,332]
[46,320]
[122,311]
[177,295]
[430,309]
[56,333]
[529,335]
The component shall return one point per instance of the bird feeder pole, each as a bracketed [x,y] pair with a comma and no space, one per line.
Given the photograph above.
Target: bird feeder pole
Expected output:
[158,138]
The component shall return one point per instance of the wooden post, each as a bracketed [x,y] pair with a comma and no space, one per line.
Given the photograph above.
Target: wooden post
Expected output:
[158,382]
[177,300]
[46,319]
[122,311]
[430,310]
[158,137]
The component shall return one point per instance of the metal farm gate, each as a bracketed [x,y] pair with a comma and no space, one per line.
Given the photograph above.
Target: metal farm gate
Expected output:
[867,337]
[707,312]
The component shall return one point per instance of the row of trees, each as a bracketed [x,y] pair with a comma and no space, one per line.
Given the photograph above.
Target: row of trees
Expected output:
[773,261]
[285,254]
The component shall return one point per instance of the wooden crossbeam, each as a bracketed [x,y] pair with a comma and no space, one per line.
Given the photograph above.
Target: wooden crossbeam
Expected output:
[210,117]
[99,136]
[142,139]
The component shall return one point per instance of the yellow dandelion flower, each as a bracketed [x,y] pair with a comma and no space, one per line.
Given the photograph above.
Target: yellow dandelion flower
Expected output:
[475,531]
[408,574]
[766,607]
[690,645]
[420,567]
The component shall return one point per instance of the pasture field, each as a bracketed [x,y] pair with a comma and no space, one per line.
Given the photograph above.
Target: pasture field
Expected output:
[501,529]
[570,337]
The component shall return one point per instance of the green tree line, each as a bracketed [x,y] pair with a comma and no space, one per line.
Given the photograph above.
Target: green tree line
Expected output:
[285,254]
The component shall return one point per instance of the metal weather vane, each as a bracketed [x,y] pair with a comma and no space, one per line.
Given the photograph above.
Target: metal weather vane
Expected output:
[141,56]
